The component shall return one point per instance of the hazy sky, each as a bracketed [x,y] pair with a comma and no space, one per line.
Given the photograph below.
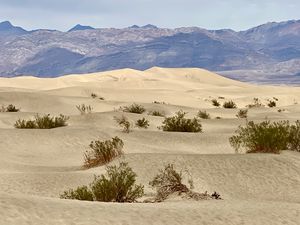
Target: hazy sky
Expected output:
[211,14]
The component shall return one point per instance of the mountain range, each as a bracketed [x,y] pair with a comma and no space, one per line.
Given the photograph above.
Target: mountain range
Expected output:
[270,50]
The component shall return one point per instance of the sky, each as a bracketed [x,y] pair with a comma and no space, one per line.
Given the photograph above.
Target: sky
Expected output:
[209,14]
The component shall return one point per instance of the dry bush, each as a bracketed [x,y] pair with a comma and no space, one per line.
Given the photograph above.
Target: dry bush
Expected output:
[242,113]
[84,109]
[9,108]
[294,137]
[156,113]
[103,152]
[124,123]
[142,123]
[203,115]
[93,95]
[179,123]
[215,102]
[271,103]
[229,105]
[256,103]
[118,185]
[42,122]
[134,108]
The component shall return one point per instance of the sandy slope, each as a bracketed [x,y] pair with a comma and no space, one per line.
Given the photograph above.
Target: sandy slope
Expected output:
[37,165]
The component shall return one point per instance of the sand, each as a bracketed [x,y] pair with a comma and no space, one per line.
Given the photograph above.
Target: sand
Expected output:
[37,165]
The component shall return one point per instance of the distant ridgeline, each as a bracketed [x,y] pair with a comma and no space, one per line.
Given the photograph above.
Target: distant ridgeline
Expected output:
[271,49]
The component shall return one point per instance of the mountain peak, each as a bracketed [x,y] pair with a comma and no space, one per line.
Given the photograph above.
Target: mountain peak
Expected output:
[81,27]
[148,26]
[6,25]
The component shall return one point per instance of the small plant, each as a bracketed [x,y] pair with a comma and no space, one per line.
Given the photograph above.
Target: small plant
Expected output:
[264,137]
[118,185]
[134,108]
[156,113]
[84,109]
[103,152]
[218,117]
[124,123]
[102,98]
[93,95]
[81,193]
[42,122]
[272,104]
[229,105]
[256,103]
[179,123]
[142,123]
[294,137]
[242,113]
[203,115]
[9,108]
[215,103]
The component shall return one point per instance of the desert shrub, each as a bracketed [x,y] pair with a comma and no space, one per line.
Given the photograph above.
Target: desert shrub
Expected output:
[102,98]
[168,181]
[117,186]
[134,108]
[9,108]
[203,115]
[179,123]
[242,113]
[81,193]
[142,123]
[218,117]
[93,95]
[229,105]
[264,137]
[256,103]
[103,152]
[84,109]
[42,122]
[271,103]
[215,102]
[124,123]
[294,137]
[156,113]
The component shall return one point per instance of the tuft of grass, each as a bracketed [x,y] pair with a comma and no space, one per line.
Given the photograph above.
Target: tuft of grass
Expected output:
[215,103]
[264,137]
[134,108]
[179,123]
[229,105]
[142,123]
[271,103]
[124,123]
[294,137]
[256,103]
[103,152]
[156,113]
[84,109]
[42,122]
[9,108]
[203,115]
[117,185]
[218,117]
[93,95]
[242,113]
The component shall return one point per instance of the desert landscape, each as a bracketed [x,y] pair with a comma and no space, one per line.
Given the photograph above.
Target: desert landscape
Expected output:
[38,165]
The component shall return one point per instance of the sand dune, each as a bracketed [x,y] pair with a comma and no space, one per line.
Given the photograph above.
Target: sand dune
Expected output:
[37,165]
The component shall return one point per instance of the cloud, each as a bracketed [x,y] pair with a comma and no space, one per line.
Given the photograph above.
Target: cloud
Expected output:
[213,14]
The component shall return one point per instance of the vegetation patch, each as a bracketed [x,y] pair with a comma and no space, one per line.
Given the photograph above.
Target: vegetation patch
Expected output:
[156,113]
[9,108]
[84,109]
[124,123]
[103,152]
[42,122]
[117,185]
[142,123]
[267,137]
[179,123]
[203,115]
[242,114]
[215,103]
[229,105]
[134,108]
[256,103]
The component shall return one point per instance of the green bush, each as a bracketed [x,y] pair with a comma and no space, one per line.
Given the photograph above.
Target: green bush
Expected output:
[215,102]
[84,109]
[156,113]
[134,108]
[179,123]
[203,115]
[124,123]
[103,152]
[42,122]
[264,137]
[117,186]
[294,137]
[229,105]
[142,123]
[81,193]
[242,113]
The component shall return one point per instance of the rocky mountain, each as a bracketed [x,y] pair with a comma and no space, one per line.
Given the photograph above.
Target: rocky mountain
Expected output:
[272,49]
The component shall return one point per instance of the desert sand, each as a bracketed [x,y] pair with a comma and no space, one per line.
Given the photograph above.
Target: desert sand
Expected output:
[38,165]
